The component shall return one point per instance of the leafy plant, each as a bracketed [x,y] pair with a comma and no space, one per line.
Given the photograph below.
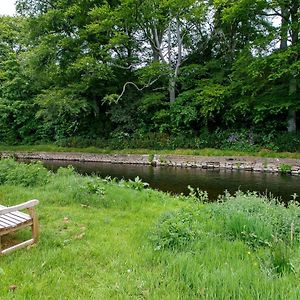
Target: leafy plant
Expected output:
[136,184]
[175,230]
[257,221]
[94,186]
[31,174]
[285,169]
[279,259]
[198,195]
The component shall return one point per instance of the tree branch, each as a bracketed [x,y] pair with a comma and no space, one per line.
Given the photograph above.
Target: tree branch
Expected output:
[135,85]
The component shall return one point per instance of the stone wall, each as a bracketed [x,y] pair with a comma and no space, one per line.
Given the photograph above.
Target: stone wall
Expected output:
[254,164]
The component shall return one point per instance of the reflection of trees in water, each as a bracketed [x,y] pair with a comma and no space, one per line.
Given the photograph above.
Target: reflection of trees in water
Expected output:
[176,180]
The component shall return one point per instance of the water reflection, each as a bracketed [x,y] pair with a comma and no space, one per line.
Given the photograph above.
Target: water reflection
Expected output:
[176,180]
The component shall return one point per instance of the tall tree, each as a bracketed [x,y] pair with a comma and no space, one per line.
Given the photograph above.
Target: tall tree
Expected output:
[165,32]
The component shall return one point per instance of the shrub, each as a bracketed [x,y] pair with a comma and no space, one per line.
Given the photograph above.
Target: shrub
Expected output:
[285,169]
[175,230]
[31,174]
[136,184]
[287,142]
[226,139]
[89,191]
[6,165]
[66,171]
[257,220]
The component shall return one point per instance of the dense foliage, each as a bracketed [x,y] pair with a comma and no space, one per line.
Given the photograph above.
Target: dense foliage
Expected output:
[128,70]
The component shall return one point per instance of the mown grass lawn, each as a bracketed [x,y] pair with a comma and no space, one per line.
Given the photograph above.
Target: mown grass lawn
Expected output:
[103,239]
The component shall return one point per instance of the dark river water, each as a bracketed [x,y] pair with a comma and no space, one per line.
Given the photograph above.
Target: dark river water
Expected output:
[176,180]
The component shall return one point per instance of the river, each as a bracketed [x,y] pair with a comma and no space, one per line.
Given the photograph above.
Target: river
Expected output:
[176,180]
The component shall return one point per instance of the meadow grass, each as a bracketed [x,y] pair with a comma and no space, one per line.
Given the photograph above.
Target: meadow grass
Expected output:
[194,152]
[106,239]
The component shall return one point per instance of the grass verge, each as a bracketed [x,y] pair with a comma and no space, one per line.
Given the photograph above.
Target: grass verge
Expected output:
[194,152]
[109,239]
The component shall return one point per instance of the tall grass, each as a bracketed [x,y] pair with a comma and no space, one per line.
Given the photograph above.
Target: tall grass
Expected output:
[105,239]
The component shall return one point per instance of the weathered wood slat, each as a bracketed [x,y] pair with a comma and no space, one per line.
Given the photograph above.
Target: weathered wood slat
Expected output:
[16,218]
[7,230]
[21,215]
[11,219]
[25,205]
[21,245]
[7,222]
[3,225]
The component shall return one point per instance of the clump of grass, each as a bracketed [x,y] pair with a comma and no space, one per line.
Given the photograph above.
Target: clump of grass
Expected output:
[285,169]
[33,174]
[278,261]
[175,230]
[281,258]
[257,220]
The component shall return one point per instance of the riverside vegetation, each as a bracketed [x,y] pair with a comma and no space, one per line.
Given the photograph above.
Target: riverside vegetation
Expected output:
[116,239]
[154,74]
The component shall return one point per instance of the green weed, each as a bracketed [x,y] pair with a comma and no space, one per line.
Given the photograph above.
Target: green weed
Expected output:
[95,244]
[175,230]
[285,169]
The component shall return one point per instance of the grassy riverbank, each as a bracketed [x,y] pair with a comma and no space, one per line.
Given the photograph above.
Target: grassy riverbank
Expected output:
[108,239]
[194,152]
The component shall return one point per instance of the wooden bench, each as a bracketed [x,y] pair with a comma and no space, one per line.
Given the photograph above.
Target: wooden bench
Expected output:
[12,219]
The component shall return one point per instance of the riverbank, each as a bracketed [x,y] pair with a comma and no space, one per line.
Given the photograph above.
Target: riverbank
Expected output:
[263,153]
[246,163]
[106,239]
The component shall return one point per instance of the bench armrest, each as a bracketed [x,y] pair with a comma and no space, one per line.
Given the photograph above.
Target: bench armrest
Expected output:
[25,205]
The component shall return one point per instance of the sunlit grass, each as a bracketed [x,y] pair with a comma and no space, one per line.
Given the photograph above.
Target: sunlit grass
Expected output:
[99,245]
[196,152]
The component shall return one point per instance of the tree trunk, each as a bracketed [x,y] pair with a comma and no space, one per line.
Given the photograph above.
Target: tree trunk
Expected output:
[292,127]
[285,19]
[292,121]
[172,89]
[293,13]
[285,14]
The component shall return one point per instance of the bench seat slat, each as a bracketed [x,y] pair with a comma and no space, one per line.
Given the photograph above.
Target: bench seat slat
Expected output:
[21,215]
[8,223]
[16,218]
[3,225]
[17,213]
[11,219]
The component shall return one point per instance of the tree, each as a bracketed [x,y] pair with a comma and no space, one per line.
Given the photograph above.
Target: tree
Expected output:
[166,32]
[68,62]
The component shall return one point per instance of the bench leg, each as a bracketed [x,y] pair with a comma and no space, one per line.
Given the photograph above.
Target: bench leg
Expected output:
[35,224]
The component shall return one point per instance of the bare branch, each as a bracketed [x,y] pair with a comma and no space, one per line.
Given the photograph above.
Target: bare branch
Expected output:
[122,67]
[135,85]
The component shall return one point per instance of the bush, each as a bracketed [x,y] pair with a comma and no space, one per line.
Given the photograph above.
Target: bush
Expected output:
[239,140]
[175,230]
[16,173]
[257,221]
[285,169]
[287,142]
